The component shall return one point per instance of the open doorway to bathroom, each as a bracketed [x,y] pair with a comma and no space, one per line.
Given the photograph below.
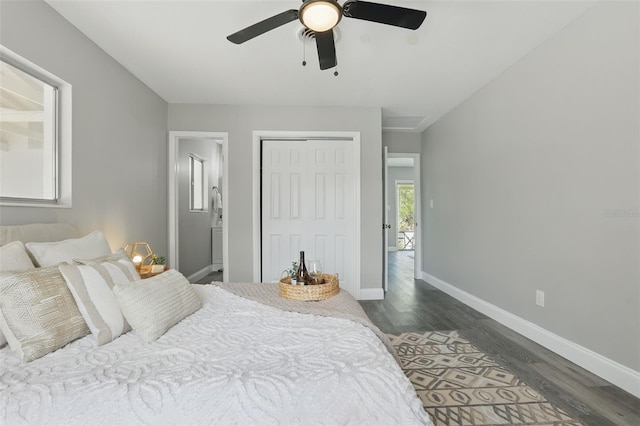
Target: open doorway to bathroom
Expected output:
[197,201]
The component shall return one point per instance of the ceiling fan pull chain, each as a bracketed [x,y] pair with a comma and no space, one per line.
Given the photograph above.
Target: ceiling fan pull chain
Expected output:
[304,51]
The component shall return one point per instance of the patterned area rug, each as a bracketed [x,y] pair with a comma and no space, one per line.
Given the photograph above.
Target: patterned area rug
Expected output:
[459,385]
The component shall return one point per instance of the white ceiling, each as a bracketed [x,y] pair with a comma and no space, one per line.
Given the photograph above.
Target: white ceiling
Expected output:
[179,49]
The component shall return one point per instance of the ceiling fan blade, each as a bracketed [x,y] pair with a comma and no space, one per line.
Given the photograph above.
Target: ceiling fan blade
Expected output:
[384,14]
[263,26]
[326,50]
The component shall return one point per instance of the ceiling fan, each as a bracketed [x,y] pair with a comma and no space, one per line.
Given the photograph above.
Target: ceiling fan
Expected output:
[321,16]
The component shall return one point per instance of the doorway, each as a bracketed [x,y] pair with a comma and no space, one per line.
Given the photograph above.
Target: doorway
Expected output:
[198,194]
[402,253]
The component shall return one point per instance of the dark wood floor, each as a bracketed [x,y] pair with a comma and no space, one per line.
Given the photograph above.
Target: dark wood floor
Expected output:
[214,276]
[414,305]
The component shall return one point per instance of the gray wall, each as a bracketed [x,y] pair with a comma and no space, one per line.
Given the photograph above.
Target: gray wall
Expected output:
[523,175]
[241,121]
[402,142]
[194,228]
[119,132]
[395,173]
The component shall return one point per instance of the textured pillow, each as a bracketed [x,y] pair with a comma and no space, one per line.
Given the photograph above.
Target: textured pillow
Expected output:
[37,312]
[92,289]
[89,246]
[14,257]
[154,305]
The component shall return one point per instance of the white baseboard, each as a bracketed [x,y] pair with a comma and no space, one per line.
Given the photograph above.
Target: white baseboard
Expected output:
[200,274]
[612,371]
[371,294]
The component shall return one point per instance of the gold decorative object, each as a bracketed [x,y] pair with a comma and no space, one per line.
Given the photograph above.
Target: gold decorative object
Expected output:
[139,252]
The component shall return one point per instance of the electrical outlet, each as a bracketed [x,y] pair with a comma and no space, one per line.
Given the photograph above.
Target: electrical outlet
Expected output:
[540,298]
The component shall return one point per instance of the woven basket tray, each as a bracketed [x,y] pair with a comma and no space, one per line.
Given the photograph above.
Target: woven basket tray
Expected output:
[330,288]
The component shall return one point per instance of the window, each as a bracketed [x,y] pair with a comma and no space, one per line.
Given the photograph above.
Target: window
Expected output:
[32,154]
[197,179]
[28,137]
[405,205]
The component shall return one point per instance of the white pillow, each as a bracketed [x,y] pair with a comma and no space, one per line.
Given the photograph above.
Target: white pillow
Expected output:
[13,257]
[92,289]
[154,305]
[89,246]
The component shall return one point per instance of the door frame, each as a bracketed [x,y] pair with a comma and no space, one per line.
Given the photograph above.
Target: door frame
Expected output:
[417,212]
[173,166]
[258,135]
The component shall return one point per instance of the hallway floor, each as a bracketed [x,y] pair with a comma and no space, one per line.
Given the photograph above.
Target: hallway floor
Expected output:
[415,306]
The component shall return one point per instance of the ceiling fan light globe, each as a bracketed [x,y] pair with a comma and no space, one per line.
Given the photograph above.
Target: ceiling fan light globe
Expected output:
[320,15]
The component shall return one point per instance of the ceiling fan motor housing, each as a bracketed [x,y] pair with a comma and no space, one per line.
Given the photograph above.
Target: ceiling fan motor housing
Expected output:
[320,15]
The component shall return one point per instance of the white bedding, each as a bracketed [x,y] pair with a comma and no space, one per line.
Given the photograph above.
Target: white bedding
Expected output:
[234,361]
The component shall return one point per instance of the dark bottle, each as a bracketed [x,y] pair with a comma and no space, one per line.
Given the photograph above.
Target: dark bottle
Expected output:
[302,276]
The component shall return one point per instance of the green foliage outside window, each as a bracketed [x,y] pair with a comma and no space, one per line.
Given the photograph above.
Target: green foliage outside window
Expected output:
[405,212]
[405,207]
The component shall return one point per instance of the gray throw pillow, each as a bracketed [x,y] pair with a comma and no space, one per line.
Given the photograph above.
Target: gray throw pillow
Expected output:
[154,305]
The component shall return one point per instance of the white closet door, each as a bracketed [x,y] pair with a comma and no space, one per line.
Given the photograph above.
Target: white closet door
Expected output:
[308,191]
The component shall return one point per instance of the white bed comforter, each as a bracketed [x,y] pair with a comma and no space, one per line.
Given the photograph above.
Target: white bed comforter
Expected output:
[234,361]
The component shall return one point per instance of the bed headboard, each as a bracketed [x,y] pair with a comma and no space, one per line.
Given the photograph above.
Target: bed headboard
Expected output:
[37,232]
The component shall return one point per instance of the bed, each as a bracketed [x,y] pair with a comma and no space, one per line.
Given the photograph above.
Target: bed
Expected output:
[243,357]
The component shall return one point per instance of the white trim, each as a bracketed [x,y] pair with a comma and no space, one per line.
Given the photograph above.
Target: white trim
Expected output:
[390,249]
[200,274]
[225,207]
[255,208]
[299,134]
[371,294]
[612,371]
[172,163]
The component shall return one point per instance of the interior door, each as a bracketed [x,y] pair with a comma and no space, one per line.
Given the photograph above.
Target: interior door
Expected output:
[307,202]
[385,220]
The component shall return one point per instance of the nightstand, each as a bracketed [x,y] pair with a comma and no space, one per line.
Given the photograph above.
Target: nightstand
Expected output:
[145,271]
